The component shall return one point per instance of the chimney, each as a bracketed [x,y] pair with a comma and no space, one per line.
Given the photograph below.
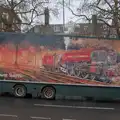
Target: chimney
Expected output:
[46,12]
[94,24]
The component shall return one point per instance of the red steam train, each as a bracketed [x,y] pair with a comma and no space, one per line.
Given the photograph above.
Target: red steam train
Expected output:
[83,63]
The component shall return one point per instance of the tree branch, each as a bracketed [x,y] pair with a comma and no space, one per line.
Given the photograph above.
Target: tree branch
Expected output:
[101,9]
[79,15]
[98,2]
[18,3]
[109,5]
[105,22]
[8,2]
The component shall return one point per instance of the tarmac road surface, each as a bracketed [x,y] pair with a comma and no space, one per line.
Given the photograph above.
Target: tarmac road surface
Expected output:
[36,109]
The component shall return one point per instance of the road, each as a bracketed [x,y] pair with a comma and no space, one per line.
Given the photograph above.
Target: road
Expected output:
[36,109]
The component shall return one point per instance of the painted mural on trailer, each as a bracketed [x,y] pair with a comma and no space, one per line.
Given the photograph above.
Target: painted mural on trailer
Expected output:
[59,59]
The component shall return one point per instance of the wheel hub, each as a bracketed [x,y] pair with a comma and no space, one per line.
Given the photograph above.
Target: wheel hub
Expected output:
[48,93]
[19,91]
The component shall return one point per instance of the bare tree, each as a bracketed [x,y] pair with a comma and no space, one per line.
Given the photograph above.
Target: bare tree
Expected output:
[107,11]
[22,13]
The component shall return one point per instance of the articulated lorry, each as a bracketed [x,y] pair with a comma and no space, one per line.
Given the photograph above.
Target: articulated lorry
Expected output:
[59,66]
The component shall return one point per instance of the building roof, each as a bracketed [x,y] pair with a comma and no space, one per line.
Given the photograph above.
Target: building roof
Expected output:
[52,28]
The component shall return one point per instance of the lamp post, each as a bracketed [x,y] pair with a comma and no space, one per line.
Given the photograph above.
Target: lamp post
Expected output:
[63,15]
[63,1]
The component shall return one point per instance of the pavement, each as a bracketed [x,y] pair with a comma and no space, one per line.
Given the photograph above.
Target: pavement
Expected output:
[36,109]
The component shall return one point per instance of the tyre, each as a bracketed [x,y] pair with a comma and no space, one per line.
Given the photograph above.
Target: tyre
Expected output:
[20,91]
[48,93]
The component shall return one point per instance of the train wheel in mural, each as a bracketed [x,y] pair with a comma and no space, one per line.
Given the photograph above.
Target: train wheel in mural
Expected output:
[92,76]
[77,73]
[71,72]
[84,75]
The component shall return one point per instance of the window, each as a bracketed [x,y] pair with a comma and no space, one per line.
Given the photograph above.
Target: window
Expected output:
[113,36]
[105,27]
[13,27]
[5,15]
[66,29]
[14,20]
[37,29]
[56,28]
[85,28]
[2,25]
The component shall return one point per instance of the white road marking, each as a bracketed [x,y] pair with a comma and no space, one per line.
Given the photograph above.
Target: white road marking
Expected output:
[42,118]
[76,107]
[7,115]
[68,119]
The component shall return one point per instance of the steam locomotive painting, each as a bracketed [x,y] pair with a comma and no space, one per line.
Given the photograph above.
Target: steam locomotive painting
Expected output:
[88,63]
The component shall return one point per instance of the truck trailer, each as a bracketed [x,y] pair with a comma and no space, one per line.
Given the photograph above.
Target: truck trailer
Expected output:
[41,65]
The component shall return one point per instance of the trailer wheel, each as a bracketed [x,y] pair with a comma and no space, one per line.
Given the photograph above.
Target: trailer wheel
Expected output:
[20,91]
[48,93]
